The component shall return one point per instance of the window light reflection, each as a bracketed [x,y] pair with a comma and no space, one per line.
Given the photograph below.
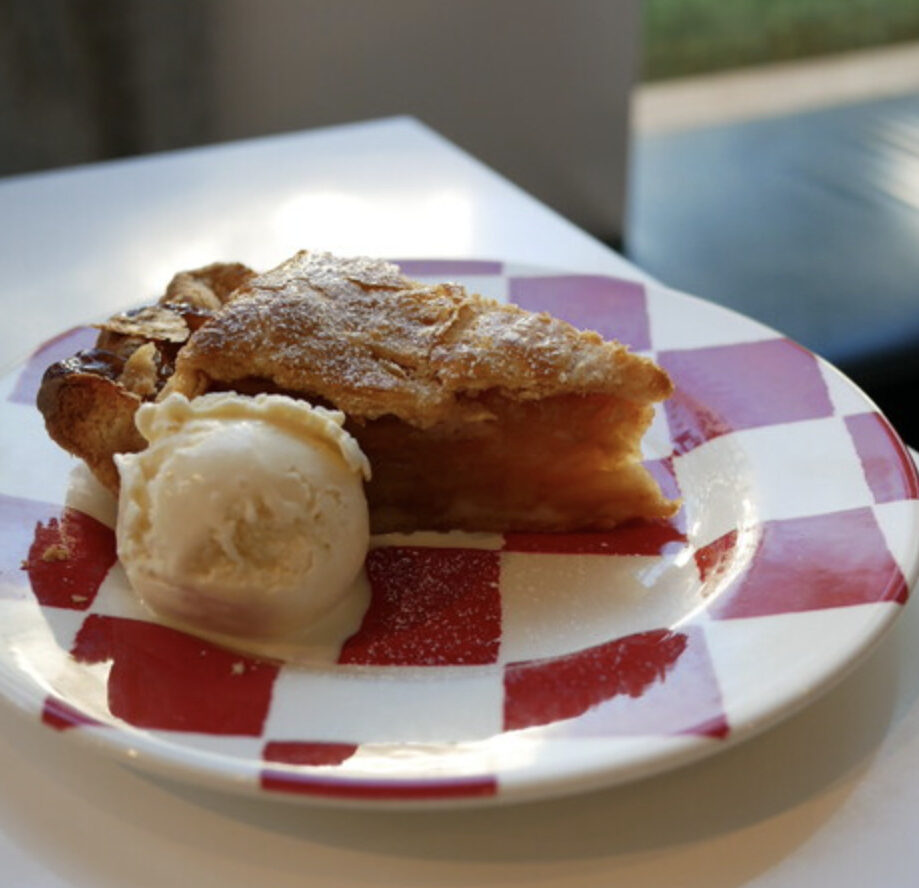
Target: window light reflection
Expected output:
[38,653]
[416,761]
[898,172]
[351,224]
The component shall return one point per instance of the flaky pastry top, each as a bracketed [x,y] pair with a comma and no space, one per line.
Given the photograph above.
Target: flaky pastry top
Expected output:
[360,335]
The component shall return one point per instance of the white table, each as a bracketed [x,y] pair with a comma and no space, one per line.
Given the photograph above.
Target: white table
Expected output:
[830,797]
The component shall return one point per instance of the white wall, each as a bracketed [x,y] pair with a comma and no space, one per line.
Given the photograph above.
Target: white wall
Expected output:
[538,89]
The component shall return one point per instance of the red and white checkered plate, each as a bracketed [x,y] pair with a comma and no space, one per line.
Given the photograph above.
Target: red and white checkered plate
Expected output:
[490,668]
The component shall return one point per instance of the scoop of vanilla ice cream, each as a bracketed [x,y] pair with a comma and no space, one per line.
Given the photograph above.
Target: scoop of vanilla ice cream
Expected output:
[245,516]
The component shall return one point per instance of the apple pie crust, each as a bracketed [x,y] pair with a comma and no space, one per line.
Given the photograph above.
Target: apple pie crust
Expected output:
[474,415]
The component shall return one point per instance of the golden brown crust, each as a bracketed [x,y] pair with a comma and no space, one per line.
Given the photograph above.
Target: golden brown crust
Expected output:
[360,335]
[191,298]
[141,371]
[208,287]
[88,401]
[90,414]
[152,323]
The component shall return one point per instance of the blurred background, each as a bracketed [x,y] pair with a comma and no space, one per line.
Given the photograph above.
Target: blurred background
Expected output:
[763,154]
[775,169]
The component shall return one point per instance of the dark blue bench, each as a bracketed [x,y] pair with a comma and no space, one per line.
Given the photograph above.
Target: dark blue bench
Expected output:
[809,223]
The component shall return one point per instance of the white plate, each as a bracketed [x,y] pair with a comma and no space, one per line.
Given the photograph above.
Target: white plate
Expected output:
[491,668]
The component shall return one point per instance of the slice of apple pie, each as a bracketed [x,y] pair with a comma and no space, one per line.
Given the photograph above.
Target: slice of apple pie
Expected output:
[474,415]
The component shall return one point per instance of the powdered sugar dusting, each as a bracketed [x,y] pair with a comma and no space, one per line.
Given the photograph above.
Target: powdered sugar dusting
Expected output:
[357,333]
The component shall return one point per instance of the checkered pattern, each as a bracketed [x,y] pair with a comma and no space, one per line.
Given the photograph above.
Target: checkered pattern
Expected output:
[496,666]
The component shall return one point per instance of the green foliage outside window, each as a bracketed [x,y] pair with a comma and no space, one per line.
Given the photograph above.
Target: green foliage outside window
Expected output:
[684,37]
